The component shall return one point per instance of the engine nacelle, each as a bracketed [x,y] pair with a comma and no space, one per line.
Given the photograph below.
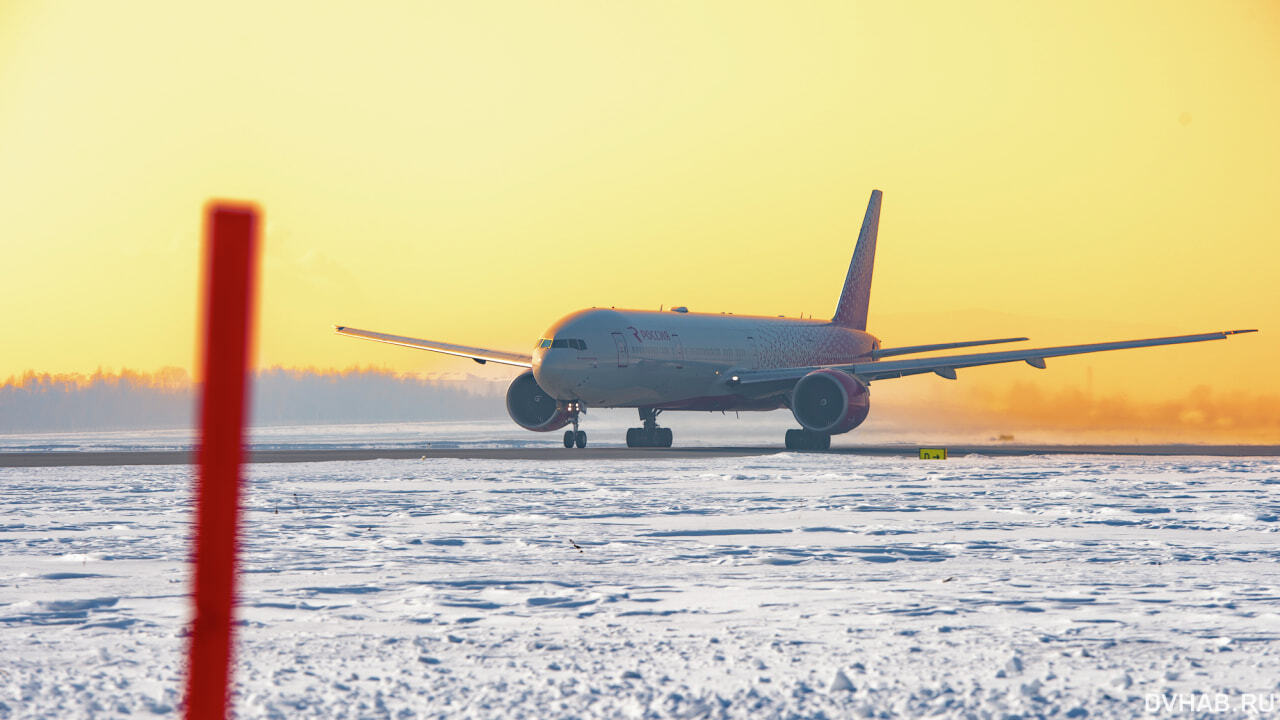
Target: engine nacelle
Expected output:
[532,408]
[830,401]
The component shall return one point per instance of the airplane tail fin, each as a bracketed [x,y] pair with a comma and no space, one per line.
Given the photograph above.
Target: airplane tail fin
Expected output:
[852,310]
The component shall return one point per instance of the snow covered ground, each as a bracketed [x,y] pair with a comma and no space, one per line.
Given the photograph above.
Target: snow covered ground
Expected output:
[776,586]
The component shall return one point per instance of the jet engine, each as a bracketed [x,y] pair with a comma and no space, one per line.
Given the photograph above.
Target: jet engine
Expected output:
[830,402]
[532,408]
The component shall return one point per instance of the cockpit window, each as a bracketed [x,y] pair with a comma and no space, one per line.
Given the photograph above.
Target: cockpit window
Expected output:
[544,343]
[574,343]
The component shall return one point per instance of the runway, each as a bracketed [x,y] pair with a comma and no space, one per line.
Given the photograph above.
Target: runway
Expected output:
[559,454]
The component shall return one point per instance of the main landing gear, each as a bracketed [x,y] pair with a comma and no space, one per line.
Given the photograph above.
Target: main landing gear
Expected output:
[650,435]
[575,437]
[807,440]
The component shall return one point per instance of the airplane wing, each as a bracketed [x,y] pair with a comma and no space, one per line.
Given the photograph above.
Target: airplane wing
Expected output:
[913,349]
[767,380]
[480,355]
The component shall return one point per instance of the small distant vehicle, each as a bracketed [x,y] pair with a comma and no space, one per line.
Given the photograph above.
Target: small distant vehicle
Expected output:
[680,360]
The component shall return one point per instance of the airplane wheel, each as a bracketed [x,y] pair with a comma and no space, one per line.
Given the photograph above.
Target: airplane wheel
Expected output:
[569,438]
[648,437]
[793,442]
[580,438]
[805,440]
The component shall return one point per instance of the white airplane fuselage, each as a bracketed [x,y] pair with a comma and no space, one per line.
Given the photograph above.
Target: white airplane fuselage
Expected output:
[681,360]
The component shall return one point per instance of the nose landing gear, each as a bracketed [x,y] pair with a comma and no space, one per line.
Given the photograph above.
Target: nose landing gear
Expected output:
[650,435]
[575,437]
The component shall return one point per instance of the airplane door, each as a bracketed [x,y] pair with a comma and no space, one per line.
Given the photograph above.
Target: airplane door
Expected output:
[624,357]
[677,351]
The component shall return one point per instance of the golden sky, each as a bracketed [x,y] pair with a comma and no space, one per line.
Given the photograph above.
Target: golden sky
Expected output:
[471,171]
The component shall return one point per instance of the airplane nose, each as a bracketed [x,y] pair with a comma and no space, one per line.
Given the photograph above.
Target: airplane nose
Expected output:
[553,373]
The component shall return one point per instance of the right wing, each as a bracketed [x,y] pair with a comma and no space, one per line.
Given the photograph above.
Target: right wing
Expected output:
[913,349]
[947,366]
[782,379]
[480,355]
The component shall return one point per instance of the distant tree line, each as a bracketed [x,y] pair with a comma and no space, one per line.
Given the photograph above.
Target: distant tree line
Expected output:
[131,400]
[165,399]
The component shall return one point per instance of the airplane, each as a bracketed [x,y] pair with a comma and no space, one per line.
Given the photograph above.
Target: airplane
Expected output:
[680,360]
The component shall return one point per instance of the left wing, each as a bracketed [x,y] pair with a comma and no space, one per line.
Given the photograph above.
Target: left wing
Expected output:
[480,355]
[946,367]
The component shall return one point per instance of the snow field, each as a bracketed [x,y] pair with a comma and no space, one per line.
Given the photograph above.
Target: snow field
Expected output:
[783,586]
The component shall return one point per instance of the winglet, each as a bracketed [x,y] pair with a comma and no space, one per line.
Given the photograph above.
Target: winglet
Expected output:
[851,312]
[1238,332]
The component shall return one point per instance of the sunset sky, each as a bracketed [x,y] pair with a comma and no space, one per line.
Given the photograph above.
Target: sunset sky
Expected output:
[469,172]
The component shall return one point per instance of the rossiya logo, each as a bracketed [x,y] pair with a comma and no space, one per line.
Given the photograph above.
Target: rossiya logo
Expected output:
[642,335]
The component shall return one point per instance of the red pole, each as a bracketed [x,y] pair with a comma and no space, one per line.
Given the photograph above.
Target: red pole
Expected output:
[230,275]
